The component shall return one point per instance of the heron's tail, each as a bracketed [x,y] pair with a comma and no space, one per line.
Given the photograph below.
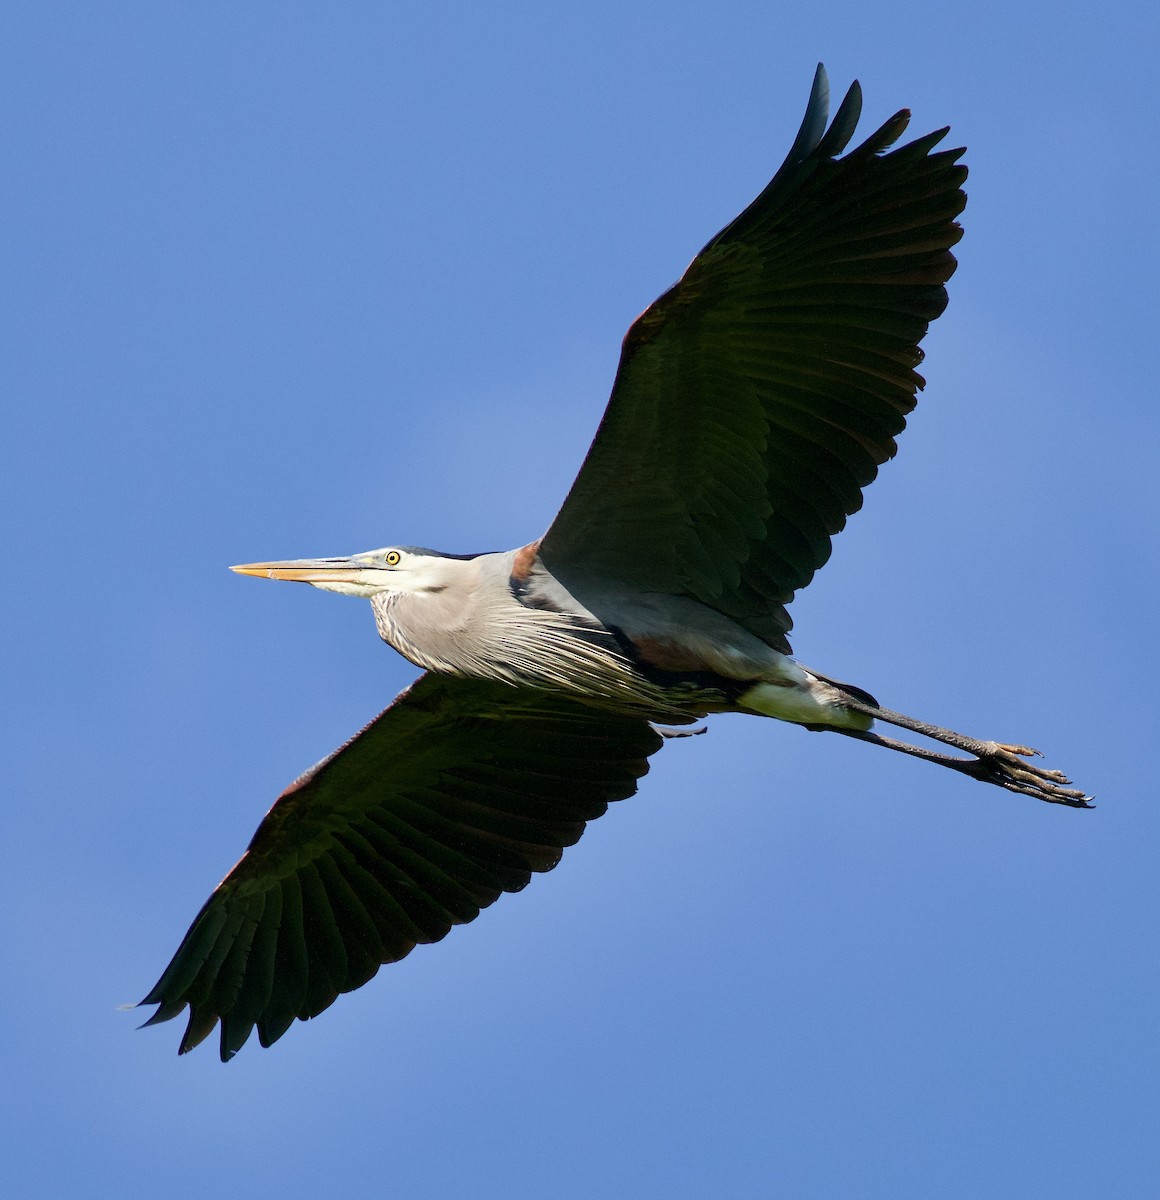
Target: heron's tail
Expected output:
[849,689]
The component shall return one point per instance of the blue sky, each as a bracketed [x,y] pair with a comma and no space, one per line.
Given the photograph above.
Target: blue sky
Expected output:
[290,280]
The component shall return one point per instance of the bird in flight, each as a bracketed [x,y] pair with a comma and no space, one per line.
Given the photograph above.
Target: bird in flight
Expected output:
[752,404]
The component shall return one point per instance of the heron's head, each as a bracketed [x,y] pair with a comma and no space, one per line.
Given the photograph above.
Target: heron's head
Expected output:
[391,569]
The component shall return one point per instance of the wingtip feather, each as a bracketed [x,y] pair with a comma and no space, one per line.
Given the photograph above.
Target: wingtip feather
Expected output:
[845,121]
[813,124]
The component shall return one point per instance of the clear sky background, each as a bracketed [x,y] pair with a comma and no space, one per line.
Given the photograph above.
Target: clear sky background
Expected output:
[286,279]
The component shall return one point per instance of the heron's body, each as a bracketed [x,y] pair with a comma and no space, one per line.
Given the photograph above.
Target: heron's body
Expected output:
[753,403]
[506,617]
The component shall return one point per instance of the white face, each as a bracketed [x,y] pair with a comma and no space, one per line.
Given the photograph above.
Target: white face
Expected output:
[365,574]
[391,569]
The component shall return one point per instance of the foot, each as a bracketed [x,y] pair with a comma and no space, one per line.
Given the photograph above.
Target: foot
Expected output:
[1007,766]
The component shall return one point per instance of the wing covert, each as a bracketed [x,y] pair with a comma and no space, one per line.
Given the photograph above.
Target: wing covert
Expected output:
[757,397]
[455,794]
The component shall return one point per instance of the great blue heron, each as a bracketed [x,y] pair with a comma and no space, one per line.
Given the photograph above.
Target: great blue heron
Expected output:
[753,402]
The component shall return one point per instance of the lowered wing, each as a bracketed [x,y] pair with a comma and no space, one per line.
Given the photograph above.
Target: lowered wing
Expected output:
[455,794]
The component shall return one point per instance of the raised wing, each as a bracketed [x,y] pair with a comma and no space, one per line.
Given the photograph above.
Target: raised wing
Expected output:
[758,396]
[458,792]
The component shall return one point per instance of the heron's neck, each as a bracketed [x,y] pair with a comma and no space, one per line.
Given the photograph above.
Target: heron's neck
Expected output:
[480,624]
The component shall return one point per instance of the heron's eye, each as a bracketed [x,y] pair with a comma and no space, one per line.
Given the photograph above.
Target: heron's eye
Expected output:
[392,558]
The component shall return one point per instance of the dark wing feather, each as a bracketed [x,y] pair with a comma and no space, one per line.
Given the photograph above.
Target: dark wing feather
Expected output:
[758,396]
[455,794]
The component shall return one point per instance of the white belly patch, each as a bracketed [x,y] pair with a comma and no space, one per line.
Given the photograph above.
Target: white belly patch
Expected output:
[808,701]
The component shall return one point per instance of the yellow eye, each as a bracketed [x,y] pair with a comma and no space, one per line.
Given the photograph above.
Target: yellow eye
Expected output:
[392,558]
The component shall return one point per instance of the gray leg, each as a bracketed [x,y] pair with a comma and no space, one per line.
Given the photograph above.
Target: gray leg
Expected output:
[991,762]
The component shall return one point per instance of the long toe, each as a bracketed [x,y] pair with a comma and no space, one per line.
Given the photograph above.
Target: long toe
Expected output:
[1013,757]
[1023,751]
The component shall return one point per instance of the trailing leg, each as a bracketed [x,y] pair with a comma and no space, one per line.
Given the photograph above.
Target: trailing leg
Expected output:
[992,762]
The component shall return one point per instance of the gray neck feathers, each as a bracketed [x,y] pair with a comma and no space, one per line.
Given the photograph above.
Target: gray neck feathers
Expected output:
[477,626]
